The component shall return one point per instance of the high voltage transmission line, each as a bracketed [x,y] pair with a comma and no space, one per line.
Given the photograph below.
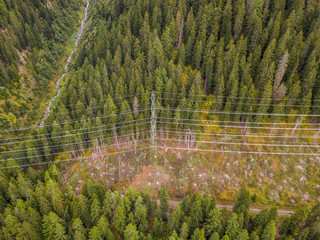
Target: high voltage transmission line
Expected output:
[241,144]
[241,135]
[204,135]
[242,152]
[85,149]
[193,141]
[54,133]
[88,102]
[155,126]
[75,120]
[245,103]
[232,126]
[239,113]
[75,111]
[76,134]
[70,144]
[221,96]
[72,159]
[172,133]
[239,122]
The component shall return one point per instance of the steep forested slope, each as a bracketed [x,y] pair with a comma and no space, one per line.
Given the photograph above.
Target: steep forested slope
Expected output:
[260,49]
[247,52]
[248,56]
[32,39]
[255,56]
[259,58]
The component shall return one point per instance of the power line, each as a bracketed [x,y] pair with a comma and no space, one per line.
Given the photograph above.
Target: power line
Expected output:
[247,127]
[53,133]
[53,154]
[32,140]
[183,124]
[72,159]
[87,102]
[218,121]
[73,111]
[216,96]
[242,144]
[241,113]
[237,103]
[165,131]
[242,152]
[249,135]
[69,144]
[207,135]
[77,120]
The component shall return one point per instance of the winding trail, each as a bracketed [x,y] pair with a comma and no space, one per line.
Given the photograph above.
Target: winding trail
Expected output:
[281,212]
[83,23]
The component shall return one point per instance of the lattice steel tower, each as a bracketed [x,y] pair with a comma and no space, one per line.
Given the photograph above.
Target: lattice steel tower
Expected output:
[154,130]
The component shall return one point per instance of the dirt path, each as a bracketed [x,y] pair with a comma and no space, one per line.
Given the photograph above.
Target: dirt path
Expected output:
[281,212]
[83,23]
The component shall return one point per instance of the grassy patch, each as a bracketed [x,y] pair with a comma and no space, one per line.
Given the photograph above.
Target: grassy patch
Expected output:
[274,180]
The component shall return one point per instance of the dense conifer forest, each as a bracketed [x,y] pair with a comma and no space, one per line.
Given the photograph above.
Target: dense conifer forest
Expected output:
[237,63]
[32,39]
[35,207]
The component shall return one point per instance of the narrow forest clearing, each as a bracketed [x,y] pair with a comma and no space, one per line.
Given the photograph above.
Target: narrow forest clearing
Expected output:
[272,179]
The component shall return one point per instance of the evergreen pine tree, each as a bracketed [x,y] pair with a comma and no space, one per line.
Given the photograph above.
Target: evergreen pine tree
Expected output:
[184,231]
[119,219]
[214,236]
[54,227]
[95,234]
[131,232]
[212,223]
[158,227]
[95,210]
[233,229]
[164,203]
[269,232]
[198,234]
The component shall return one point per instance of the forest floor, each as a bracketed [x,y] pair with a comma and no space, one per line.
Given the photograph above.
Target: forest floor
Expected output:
[148,179]
[273,180]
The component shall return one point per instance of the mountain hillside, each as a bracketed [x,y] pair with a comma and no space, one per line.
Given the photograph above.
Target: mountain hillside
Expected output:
[33,35]
[253,56]
[193,99]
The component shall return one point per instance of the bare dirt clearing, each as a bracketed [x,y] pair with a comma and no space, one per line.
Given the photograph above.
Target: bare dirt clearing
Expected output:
[152,177]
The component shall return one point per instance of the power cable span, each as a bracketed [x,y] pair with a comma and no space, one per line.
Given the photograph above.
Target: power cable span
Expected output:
[245,103]
[81,129]
[242,144]
[90,102]
[242,135]
[72,159]
[75,120]
[174,134]
[49,147]
[75,111]
[54,154]
[239,113]
[247,127]
[261,123]
[216,96]
[70,135]
[241,152]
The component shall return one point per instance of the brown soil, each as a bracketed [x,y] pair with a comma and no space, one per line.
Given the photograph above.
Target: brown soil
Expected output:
[151,176]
